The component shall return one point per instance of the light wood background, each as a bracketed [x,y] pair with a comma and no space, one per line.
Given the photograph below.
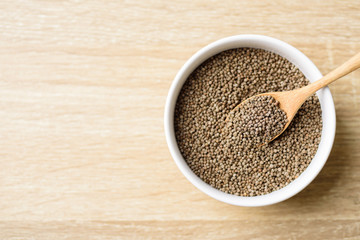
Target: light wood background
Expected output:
[82,93]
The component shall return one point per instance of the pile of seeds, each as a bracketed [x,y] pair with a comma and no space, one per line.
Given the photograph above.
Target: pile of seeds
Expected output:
[255,121]
[214,89]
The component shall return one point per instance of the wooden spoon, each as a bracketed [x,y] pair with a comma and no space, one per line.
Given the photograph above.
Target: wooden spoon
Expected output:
[291,101]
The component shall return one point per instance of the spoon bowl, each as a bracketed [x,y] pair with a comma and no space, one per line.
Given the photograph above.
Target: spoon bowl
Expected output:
[284,105]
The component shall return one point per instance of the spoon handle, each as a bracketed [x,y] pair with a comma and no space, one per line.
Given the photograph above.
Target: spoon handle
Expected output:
[346,68]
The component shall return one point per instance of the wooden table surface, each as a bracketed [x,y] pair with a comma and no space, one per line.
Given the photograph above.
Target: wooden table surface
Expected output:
[83,86]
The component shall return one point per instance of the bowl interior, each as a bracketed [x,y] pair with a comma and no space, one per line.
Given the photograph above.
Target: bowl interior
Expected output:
[311,73]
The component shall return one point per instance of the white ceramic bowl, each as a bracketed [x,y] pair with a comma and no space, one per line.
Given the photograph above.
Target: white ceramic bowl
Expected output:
[309,70]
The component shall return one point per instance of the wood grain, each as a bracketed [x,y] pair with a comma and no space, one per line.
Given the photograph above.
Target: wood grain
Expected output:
[83,87]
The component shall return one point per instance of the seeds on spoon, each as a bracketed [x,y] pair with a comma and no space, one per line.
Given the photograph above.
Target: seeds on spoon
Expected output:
[256,121]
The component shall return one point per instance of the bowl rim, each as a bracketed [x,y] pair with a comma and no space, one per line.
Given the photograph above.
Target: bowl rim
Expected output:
[309,70]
